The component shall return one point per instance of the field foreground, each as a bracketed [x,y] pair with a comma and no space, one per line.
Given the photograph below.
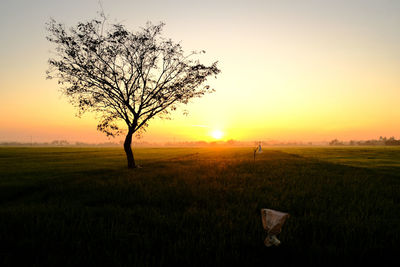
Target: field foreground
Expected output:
[198,207]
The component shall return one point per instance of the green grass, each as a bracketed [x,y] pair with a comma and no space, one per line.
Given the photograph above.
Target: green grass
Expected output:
[198,207]
[384,158]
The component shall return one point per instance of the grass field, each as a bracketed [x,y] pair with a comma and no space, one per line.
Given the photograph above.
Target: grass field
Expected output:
[198,207]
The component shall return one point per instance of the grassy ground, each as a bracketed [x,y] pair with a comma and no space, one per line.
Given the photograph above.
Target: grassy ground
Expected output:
[198,207]
[384,158]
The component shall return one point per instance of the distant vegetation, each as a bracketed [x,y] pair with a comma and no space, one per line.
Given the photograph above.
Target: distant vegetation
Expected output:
[382,141]
[59,143]
[228,143]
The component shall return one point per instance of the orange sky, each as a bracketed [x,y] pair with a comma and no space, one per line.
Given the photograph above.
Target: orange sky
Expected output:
[291,70]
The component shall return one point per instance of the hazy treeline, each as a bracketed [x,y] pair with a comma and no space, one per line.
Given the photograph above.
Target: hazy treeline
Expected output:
[382,141]
[228,143]
[59,143]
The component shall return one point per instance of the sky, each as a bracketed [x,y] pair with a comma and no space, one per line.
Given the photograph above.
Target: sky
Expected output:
[290,70]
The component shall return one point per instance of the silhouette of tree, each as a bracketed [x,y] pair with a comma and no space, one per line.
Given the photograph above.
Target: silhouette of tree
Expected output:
[124,76]
[336,142]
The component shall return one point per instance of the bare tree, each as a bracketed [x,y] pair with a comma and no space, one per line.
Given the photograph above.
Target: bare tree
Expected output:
[124,76]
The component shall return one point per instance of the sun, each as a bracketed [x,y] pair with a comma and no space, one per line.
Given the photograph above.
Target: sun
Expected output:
[217,134]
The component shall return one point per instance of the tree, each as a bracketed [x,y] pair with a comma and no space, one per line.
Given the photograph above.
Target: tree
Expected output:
[336,142]
[124,76]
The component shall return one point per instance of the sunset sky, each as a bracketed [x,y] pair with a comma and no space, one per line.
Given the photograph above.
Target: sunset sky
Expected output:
[290,70]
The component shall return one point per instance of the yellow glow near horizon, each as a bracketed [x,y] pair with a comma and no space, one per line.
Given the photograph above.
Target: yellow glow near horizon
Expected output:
[217,134]
[303,71]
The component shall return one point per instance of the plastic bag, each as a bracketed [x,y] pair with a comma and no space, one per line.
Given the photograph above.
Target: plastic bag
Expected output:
[273,221]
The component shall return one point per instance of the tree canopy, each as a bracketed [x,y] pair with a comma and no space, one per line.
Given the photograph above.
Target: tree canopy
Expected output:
[123,75]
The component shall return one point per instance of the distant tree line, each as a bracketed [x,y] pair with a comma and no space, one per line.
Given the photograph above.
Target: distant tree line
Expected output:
[220,143]
[59,143]
[382,141]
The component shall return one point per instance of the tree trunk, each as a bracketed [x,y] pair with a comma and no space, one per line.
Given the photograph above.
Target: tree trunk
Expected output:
[128,150]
